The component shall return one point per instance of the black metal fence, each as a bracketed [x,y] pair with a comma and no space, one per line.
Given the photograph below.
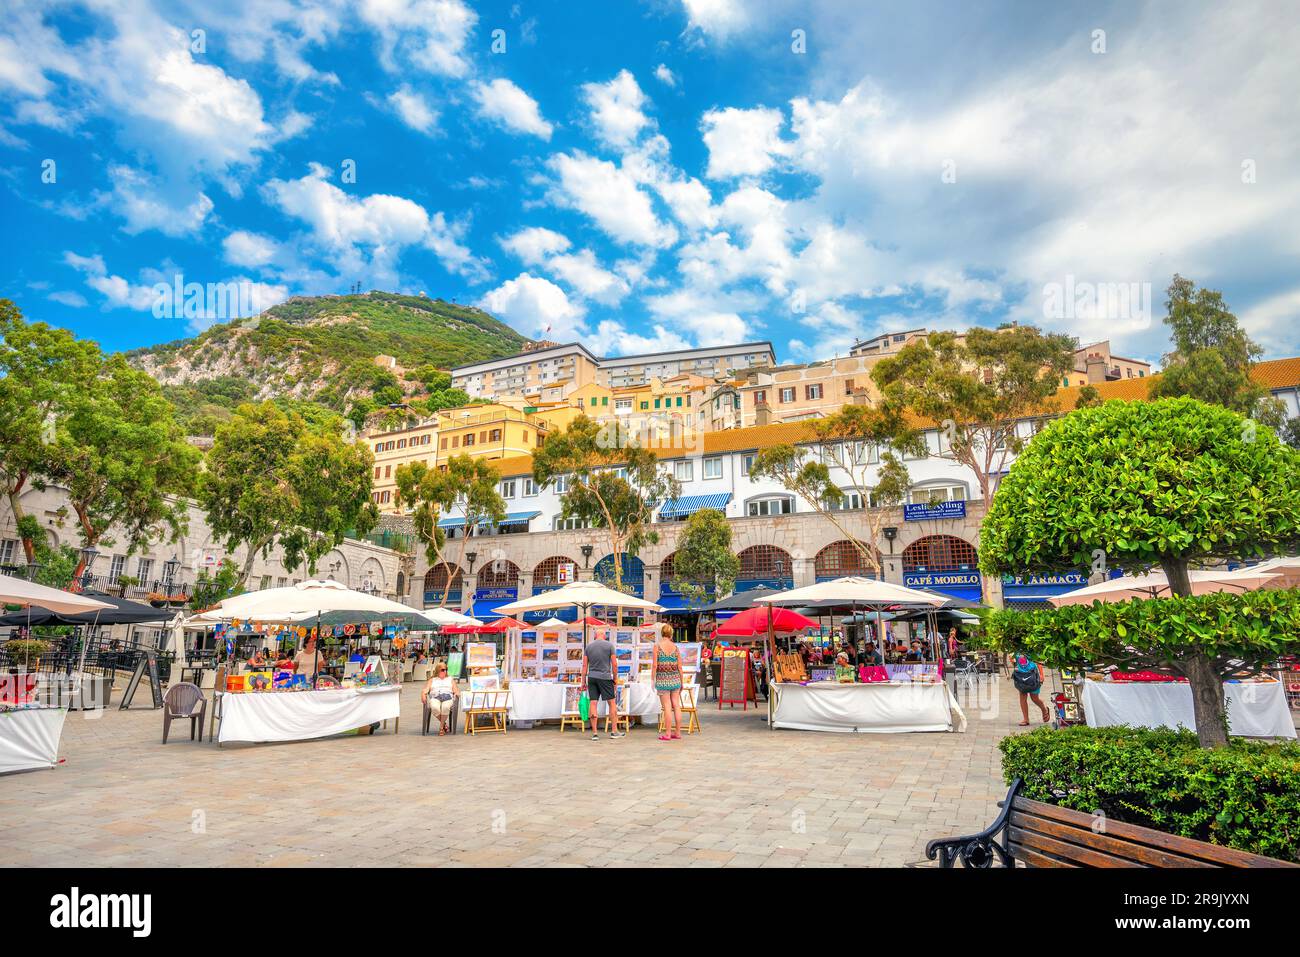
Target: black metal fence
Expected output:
[104,657]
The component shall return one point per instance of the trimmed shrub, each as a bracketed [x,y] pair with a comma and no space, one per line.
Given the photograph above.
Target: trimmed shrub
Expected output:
[1245,795]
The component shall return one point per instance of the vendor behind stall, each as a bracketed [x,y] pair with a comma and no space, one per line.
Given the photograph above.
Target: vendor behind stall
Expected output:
[309,661]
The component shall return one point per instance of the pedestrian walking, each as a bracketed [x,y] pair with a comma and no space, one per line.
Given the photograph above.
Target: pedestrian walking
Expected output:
[1027,675]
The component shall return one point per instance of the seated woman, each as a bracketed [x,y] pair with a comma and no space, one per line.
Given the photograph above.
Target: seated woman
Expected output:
[844,672]
[916,652]
[284,662]
[258,660]
[440,694]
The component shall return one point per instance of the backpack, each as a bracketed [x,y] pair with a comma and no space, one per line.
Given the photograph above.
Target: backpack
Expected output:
[1026,681]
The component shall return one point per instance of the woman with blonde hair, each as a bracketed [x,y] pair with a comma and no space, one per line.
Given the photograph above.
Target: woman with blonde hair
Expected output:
[668,682]
[439,694]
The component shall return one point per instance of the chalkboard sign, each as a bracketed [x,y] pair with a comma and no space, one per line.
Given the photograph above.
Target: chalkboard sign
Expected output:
[150,660]
[734,688]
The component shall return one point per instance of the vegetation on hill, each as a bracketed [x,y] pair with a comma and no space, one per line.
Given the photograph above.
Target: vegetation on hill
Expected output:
[321,350]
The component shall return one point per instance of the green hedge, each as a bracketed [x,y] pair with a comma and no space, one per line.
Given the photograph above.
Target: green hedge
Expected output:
[1246,795]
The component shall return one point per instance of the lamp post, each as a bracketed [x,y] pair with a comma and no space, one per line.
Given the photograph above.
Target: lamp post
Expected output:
[88,554]
[169,572]
[586,555]
[32,568]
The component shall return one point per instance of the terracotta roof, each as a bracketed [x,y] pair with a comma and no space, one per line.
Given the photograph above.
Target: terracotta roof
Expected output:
[1275,374]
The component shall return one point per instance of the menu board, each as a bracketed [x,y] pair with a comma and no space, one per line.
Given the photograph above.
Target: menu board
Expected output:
[734,686]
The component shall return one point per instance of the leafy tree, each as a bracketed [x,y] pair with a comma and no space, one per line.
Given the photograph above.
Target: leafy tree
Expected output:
[1143,484]
[41,370]
[471,485]
[123,459]
[1212,354]
[211,588]
[272,478]
[976,388]
[1088,397]
[614,483]
[704,563]
[846,440]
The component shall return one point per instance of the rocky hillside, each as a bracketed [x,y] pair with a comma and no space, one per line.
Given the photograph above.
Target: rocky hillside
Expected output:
[321,350]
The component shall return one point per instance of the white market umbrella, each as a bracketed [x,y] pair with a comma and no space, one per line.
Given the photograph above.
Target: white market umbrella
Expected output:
[445,616]
[293,602]
[1155,584]
[19,591]
[584,595]
[552,622]
[871,594]
[1286,568]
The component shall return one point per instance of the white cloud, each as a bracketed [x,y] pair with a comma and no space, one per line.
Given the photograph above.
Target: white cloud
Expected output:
[665,75]
[743,142]
[243,248]
[535,244]
[144,203]
[379,225]
[610,197]
[413,109]
[503,102]
[429,35]
[68,298]
[613,339]
[581,271]
[617,109]
[537,307]
[718,18]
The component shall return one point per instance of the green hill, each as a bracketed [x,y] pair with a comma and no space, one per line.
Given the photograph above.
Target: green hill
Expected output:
[321,350]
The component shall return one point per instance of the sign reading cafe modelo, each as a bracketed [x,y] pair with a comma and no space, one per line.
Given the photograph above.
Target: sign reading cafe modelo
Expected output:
[934,510]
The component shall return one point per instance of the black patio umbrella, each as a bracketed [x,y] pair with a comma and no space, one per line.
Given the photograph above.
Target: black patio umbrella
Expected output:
[123,612]
[739,601]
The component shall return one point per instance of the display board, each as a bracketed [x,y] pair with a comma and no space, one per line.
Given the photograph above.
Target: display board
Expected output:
[555,654]
[734,686]
[150,661]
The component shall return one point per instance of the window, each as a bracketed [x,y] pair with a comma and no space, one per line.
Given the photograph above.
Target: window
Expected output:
[684,471]
[850,501]
[116,567]
[455,441]
[604,400]
[812,392]
[7,548]
[508,488]
[388,471]
[773,505]
[561,484]
[401,443]
[760,395]
[144,569]
[848,386]
[567,524]
[713,467]
[934,494]
[379,446]
[265,583]
[746,463]
[593,400]
[378,470]
[623,405]
[679,402]
[787,395]
[469,439]
[645,405]
[443,445]
[530,488]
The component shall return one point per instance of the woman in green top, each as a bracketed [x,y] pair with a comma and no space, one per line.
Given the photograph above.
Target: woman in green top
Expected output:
[844,672]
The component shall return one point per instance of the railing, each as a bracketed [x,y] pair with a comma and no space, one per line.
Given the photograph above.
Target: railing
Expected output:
[155,590]
[103,657]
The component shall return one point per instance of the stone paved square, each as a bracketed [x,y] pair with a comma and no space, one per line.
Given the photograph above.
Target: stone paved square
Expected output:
[738,794]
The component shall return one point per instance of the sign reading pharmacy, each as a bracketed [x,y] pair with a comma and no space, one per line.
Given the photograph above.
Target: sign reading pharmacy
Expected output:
[934,510]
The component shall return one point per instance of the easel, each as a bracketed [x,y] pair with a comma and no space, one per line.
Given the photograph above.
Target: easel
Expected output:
[150,659]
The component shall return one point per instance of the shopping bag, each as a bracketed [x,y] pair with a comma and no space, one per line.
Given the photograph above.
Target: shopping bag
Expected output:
[584,706]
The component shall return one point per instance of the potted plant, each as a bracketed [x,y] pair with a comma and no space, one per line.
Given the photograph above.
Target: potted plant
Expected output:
[124,582]
[26,652]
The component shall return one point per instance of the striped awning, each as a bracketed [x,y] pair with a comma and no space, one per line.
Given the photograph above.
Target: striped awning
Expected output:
[693,503]
[512,518]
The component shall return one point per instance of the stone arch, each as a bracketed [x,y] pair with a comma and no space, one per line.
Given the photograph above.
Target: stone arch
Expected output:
[843,558]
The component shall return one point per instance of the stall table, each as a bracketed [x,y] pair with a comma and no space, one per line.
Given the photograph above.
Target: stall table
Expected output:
[302,715]
[881,708]
[1255,709]
[29,738]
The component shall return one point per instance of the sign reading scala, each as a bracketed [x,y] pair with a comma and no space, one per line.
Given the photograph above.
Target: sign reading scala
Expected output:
[934,510]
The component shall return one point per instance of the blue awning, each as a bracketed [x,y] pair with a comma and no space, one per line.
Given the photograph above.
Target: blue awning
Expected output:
[687,504]
[679,603]
[512,518]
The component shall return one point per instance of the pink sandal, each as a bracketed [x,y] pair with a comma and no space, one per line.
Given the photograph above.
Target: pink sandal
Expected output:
[664,737]
[677,737]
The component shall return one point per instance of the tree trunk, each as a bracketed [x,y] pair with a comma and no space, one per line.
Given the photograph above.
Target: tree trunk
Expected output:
[1180,581]
[1207,700]
[16,506]
[247,568]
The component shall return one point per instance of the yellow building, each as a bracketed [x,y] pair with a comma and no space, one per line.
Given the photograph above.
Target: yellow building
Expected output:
[491,430]
[416,440]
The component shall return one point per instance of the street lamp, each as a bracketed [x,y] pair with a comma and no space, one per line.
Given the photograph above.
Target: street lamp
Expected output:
[88,554]
[890,532]
[586,555]
[169,571]
[471,557]
[32,568]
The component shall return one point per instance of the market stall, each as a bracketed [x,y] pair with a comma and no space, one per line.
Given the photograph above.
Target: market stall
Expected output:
[30,731]
[1256,709]
[282,705]
[902,701]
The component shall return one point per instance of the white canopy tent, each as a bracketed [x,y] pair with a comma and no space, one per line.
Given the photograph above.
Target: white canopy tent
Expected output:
[445,616]
[1155,584]
[19,591]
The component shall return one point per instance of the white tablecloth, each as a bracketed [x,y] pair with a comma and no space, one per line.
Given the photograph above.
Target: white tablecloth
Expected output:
[29,738]
[1255,709]
[540,700]
[880,708]
[300,715]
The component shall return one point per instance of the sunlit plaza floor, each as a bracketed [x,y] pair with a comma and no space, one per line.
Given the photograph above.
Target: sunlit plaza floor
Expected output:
[736,794]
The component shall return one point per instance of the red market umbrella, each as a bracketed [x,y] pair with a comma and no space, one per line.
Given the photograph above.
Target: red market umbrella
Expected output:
[501,625]
[753,623]
[592,622]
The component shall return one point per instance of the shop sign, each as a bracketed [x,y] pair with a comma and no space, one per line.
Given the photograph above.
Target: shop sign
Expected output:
[496,594]
[957,579]
[928,511]
[1073,579]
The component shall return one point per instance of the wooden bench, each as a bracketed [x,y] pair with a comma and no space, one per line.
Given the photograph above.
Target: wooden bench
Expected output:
[1044,835]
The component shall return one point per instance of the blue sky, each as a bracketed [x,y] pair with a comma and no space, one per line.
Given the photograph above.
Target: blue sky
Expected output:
[655,174]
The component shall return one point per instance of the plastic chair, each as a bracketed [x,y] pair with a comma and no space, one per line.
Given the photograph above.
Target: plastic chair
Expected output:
[453,716]
[184,700]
